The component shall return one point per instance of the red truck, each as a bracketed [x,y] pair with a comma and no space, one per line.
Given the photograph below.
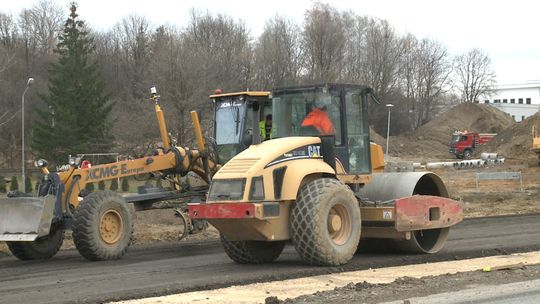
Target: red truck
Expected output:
[464,143]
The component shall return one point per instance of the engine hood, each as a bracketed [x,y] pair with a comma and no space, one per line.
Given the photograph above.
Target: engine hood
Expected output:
[270,153]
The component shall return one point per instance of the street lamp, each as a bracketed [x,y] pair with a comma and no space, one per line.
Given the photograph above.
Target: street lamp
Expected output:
[389,107]
[28,84]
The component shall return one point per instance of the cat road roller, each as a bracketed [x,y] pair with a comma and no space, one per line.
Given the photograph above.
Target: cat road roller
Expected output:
[102,221]
[327,194]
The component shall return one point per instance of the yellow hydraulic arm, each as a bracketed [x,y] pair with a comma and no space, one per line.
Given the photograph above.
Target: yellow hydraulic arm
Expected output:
[174,160]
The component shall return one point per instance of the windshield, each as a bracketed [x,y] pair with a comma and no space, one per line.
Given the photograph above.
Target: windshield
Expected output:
[307,113]
[229,119]
[455,138]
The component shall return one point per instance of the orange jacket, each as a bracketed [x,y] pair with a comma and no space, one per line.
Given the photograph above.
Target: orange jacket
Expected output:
[320,120]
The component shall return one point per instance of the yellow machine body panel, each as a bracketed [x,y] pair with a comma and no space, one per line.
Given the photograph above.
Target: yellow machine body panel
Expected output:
[377,158]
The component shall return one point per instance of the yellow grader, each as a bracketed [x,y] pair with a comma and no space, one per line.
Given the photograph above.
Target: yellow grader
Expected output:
[102,222]
[327,194]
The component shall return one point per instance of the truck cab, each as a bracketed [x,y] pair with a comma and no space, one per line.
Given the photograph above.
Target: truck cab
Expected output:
[464,143]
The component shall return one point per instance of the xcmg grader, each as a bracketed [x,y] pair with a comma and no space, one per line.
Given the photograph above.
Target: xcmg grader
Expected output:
[327,194]
[102,222]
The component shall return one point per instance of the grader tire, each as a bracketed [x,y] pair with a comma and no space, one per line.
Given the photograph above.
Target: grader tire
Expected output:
[102,226]
[42,248]
[325,223]
[252,252]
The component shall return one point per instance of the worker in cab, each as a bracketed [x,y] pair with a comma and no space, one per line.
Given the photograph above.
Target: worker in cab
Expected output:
[265,128]
[318,119]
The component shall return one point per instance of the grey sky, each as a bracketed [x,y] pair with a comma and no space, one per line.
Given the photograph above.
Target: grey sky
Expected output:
[506,30]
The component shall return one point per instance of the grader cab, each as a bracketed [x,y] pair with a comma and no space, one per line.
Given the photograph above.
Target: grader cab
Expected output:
[102,222]
[236,120]
[324,192]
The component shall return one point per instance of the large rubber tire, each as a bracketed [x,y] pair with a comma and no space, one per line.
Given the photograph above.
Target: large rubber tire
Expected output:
[102,226]
[252,252]
[467,154]
[316,239]
[42,248]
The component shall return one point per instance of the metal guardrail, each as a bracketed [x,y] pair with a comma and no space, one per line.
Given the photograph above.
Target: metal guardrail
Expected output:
[499,176]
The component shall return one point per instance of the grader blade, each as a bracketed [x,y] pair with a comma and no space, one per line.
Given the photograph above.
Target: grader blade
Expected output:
[26,218]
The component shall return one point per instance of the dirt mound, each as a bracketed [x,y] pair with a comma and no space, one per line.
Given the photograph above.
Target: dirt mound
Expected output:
[515,142]
[376,138]
[432,139]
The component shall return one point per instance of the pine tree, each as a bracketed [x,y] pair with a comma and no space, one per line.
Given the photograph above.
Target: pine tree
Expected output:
[14,184]
[75,117]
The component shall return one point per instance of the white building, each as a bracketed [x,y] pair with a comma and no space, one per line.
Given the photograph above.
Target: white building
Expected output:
[518,100]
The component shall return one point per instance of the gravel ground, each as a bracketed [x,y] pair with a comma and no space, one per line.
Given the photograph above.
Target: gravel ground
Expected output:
[406,287]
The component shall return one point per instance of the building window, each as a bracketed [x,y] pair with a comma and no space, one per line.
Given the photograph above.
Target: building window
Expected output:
[476,101]
[486,101]
[528,101]
[520,100]
[522,117]
[505,100]
[512,100]
[497,101]
[514,117]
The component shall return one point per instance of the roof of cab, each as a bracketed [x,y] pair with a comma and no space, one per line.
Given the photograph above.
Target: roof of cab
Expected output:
[248,93]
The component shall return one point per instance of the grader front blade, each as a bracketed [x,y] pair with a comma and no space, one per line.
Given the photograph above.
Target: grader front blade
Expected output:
[26,218]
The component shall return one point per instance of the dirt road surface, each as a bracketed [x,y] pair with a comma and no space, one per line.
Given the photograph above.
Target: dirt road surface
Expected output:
[520,284]
[158,269]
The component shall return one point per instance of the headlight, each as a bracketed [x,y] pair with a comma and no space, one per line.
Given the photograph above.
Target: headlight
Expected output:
[227,189]
[74,161]
[41,163]
[256,192]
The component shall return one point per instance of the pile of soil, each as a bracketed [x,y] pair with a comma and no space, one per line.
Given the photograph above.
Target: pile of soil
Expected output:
[516,141]
[376,138]
[432,139]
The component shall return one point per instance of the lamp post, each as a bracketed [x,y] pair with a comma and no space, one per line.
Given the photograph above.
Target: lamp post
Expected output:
[389,107]
[28,84]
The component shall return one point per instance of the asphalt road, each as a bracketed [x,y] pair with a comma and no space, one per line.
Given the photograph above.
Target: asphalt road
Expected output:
[171,268]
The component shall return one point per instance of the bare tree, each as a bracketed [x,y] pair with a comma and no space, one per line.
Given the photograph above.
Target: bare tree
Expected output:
[43,23]
[132,35]
[278,54]
[8,36]
[474,74]
[323,41]
[169,71]
[426,69]
[355,47]
[383,55]
[218,54]
[8,30]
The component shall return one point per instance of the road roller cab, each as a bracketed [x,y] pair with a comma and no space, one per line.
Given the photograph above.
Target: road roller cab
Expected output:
[319,183]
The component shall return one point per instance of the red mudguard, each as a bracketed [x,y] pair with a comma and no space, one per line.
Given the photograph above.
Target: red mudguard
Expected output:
[421,212]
